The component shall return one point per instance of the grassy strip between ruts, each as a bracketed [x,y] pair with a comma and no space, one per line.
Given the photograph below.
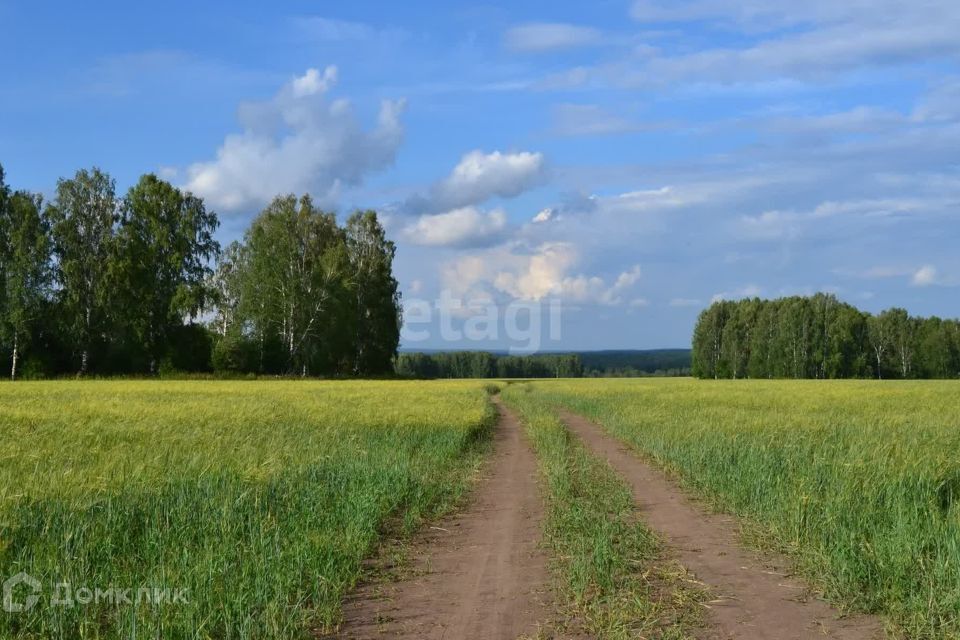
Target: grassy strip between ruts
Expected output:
[612,576]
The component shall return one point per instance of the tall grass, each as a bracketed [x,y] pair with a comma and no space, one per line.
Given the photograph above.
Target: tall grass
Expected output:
[260,499]
[612,575]
[859,480]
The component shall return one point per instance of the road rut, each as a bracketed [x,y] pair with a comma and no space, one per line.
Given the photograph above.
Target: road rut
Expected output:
[479,574]
[754,597]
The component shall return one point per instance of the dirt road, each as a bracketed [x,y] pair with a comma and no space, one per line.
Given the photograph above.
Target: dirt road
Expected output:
[753,599]
[478,575]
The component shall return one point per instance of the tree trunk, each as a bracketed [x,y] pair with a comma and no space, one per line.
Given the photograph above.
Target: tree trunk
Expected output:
[16,354]
[85,356]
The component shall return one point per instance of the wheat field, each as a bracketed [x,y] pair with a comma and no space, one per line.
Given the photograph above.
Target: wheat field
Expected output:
[252,503]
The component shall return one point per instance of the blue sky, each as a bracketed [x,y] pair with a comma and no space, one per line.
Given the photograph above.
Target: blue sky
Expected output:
[634,160]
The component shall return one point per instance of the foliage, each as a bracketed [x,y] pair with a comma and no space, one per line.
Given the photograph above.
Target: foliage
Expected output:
[312,297]
[96,284]
[821,337]
[636,363]
[84,215]
[481,364]
[163,246]
[376,327]
[26,270]
[858,480]
[261,499]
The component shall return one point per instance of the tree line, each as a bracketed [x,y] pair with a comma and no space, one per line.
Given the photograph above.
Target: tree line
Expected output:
[482,364]
[97,283]
[821,337]
[636,363]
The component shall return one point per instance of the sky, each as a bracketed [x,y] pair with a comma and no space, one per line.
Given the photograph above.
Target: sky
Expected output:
[556,175]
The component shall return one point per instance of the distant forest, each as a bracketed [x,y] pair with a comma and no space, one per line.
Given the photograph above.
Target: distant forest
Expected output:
[483,364]
[821,337]
[630,364]
[93,283]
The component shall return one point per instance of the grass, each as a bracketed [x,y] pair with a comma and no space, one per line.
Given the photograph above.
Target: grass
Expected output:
[612,574]
[858,480]
[260,499]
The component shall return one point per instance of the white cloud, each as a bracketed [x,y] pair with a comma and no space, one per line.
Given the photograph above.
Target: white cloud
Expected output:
[748,291]
[297,142]
[464,227]
[544,215]
[924,276]
[543,272]
[685,302]
[480,176]
[549,36]
[783,39]
[593,289]
[312,83]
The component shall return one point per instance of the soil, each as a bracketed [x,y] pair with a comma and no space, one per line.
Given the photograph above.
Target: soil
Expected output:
[753,596]
[478,574]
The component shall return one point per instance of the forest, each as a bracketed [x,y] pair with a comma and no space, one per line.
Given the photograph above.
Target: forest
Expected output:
[821,337]
[639,363]
[483,364]
[96,283]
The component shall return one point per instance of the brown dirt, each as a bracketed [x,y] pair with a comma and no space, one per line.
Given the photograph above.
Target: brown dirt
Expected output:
[479,574]
[753,596]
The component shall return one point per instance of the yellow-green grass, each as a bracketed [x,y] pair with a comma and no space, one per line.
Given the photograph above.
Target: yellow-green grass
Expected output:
[858,480]
[260,499]
[612,575]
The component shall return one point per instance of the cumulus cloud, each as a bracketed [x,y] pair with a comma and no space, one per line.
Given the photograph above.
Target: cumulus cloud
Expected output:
[297,142]
[464,227]
[545,271]
[312,82]
[480,176]
[549,36]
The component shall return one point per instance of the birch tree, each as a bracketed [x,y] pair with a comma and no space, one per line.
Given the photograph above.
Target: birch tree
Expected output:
[297,284]
[84,216]
[225,287]
[26,270]
[376,301]
[164,247]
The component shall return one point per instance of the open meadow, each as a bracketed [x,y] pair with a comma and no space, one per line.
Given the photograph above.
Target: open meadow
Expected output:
[259,499]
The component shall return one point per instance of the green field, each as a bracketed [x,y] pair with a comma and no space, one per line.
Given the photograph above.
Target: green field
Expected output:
[858,480]
[262,499]
[259,498]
